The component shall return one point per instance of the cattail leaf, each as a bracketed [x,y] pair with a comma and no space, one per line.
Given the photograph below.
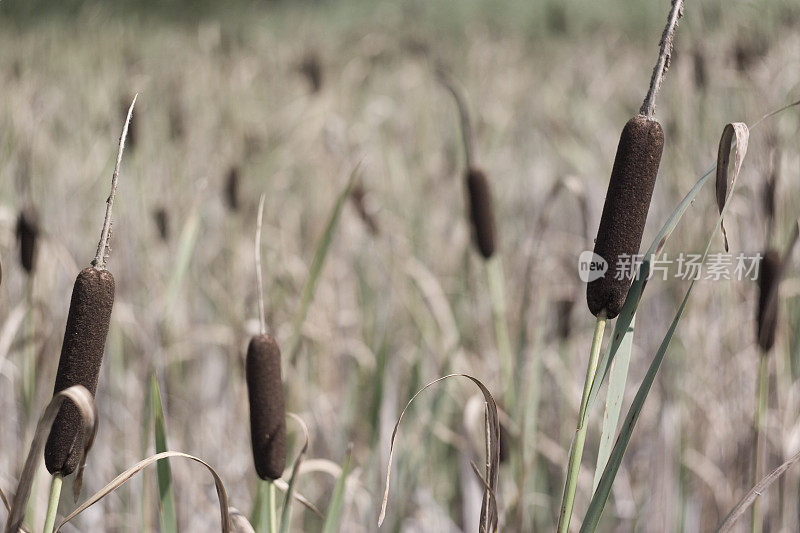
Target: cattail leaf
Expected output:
[186,244]
[489,507]
[336,505]
[745,503]
[83,400]
[600,496]
[282,486]
[724,185]
[166,495]
[317,263]
[286,514]
[614,396]
[128,474]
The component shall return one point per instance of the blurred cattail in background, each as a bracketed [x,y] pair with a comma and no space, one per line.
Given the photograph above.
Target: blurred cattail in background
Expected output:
[267,412]
[311,68]
[358,197]
[768,281]
[161,219]
[478,189]
[27,231]
[232,188]
[563,309]
[625,211]
[81,356]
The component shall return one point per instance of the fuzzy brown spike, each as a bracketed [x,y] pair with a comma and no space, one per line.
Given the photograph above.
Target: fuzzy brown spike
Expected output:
[232,189]
[625,211]
[81,357]
[28,235]
[767,317]
[480,209]
[267,412]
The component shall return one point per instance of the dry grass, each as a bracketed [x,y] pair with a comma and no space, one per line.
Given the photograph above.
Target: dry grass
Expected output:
[549,90]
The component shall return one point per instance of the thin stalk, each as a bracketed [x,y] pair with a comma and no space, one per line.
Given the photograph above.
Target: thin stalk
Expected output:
[757,518]
[52,504]
[273,515]
[497,295]
[664,59]
[576,450]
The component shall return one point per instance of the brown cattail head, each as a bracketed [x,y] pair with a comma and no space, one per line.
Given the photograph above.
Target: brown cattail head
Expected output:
[768,280]
[81,356]
[358,197]
[161,218]
[267,412]
[311,68]
[480,210]
[28,235]
[564,308]
[232,189]
[625,211]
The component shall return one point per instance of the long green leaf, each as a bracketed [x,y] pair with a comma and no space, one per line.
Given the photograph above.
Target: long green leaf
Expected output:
[600,496]
[286,514]
[336,506]
[166,496]
[614,396]
[316,265]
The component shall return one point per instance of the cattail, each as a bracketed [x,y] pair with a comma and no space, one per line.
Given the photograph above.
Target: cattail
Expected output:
[81,356]
[700,75]
[311,68]
[161,219]
[267,413]
[232,189]
[625,211]
[27,234]
[480,210]
[564,308]
[358,197]
[767,317]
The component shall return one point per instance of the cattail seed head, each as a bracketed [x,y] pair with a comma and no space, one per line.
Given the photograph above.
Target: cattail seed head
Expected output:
[81,356]
[267,412]
[625,211]
[161,219]
[767,317]
[27,234]
[480,209]
[564,308]
[232,189]
[311,68]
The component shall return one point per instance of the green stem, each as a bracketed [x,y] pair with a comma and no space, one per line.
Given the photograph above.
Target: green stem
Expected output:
[273,515]
[52,504]
[576,451]
[756,518]
[497,295]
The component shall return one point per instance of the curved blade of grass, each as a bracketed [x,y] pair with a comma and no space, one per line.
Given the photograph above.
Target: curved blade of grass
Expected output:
[741,507]
[141,465]
[489,507]
[281,485]
[600,496]
[166,496]
[336,506]
[614,396]
[316,265]
[83,399]
[286,514]
[186,244]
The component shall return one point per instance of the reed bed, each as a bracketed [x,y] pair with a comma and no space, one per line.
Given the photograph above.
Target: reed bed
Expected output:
[378,281]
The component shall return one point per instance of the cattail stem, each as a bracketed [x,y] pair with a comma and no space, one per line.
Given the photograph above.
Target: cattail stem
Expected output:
[576,451]
[100,258]
[259,280]
[664,58]
[756,517]
[52,503]
[271,502]
[497,295]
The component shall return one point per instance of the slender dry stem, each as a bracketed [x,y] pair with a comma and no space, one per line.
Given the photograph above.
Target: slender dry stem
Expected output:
[463,113]
[102,247]
[259,280]
[664,58]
